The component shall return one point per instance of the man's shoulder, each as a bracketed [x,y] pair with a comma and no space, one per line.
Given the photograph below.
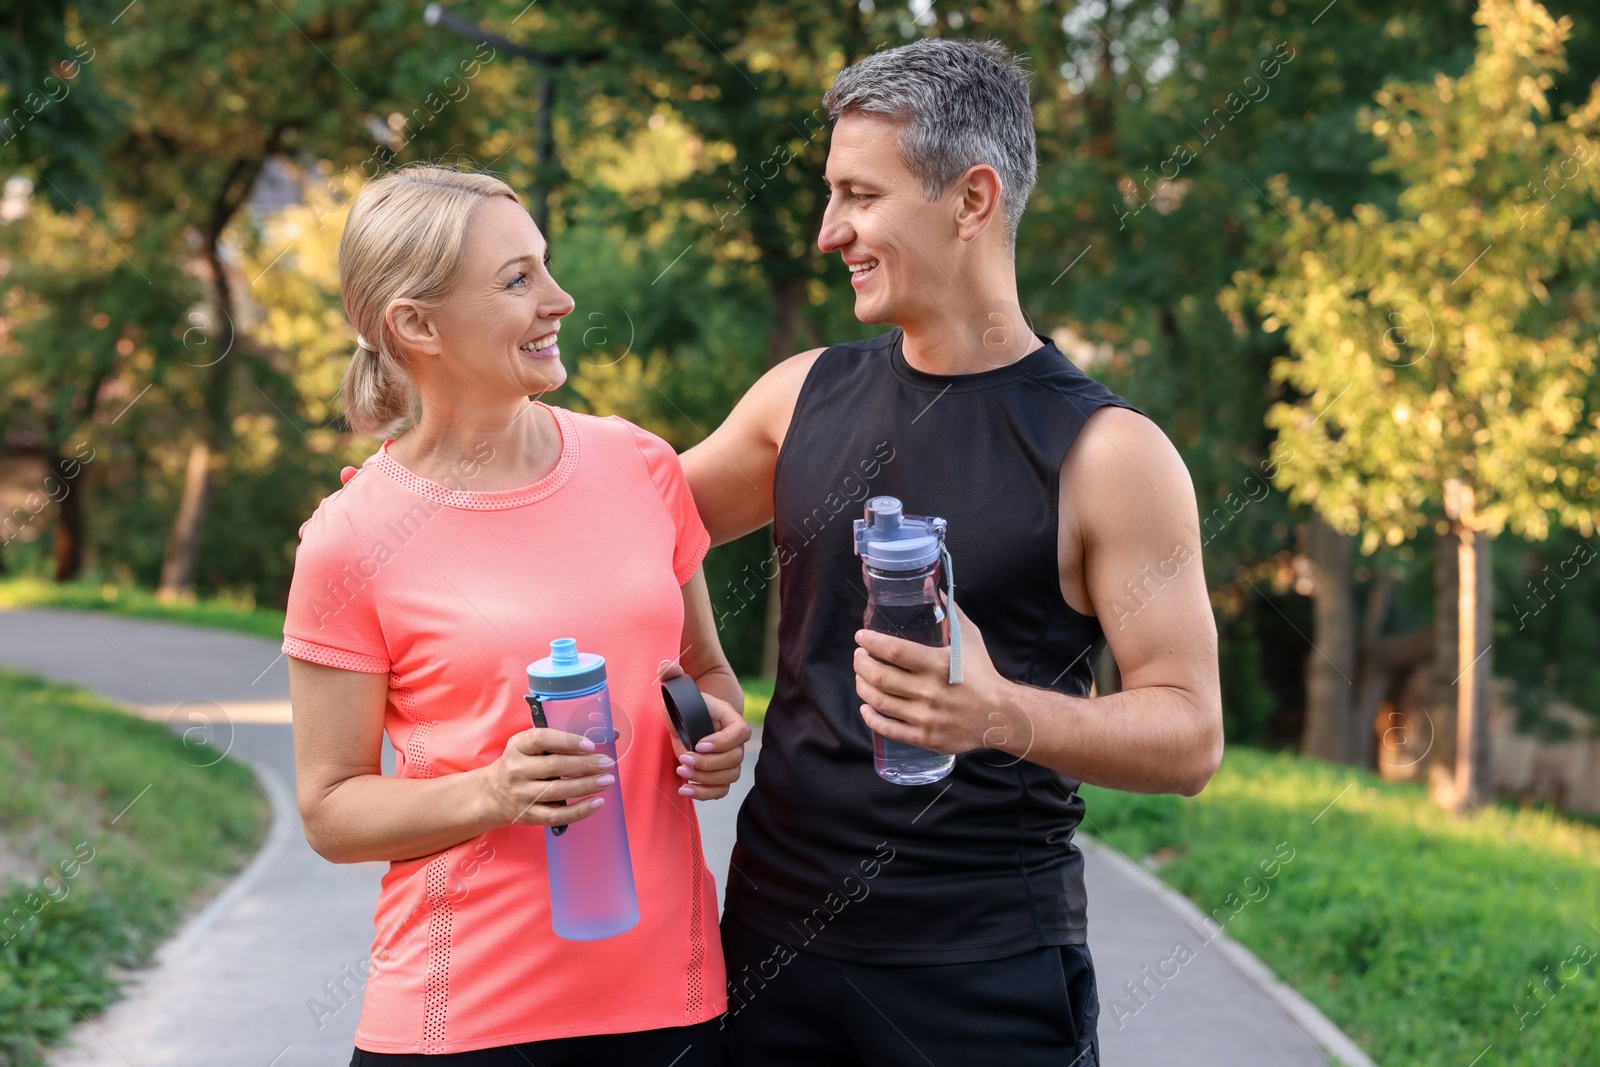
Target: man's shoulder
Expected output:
[1121,455]
[1061,374]
[796,367]
[775,392]
[789,378]
[1118,437]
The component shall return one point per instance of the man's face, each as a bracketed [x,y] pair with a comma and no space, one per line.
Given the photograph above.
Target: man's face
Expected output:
[890,235]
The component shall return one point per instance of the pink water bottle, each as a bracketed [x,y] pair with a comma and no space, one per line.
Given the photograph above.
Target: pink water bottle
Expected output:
[591,875]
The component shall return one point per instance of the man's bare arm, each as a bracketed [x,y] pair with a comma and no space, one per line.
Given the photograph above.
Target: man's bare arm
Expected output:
[731,471]
[1130,543]
[1130,554]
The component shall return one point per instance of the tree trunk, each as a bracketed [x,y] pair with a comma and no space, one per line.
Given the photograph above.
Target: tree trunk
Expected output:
[1385,664]
[788,306]
[1100,99]
[183,544]
[66,549]
[1374,673]
[543,150]
[1457,773]
[788,302]
[769,639]
[1330,731]
[67,540]
[1446,632]
[1472,686]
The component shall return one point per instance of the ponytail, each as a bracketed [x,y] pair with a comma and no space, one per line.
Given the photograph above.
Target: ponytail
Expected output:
[379,396]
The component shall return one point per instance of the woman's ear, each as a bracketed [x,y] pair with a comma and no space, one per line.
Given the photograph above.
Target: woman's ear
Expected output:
[412,326]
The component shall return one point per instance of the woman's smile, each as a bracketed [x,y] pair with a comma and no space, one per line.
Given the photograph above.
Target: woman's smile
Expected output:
[542,347]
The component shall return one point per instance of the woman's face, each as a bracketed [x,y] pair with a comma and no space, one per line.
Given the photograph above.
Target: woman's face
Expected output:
[495,334]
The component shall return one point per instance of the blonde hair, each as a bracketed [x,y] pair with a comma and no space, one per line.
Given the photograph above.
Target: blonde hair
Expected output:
[404,239]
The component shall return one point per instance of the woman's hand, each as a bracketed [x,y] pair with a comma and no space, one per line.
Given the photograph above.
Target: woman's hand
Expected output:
[708,771]
[540,769]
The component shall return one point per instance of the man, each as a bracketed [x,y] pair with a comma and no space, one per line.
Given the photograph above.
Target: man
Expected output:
[873,922]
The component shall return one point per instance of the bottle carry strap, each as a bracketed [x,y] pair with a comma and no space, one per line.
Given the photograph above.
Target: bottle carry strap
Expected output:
[955,623]
[536,706]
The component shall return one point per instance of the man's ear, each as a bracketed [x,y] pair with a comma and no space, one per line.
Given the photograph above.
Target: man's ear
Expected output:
[412,326]
[977,201]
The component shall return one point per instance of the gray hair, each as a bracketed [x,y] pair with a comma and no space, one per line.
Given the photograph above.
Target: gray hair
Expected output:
[964,103]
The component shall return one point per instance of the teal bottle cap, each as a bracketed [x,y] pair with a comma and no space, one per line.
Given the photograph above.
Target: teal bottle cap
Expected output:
[566,670]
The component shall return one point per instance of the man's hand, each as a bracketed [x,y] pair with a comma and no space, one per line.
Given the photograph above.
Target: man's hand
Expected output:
[902,680]
[713,766]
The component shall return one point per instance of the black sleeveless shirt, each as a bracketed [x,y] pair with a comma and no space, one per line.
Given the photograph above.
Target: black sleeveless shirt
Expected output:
[830,858]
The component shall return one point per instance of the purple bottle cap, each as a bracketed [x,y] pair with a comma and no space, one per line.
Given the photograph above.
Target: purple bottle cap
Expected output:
[890,540]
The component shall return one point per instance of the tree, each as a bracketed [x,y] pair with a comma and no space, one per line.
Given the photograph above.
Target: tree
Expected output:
[1155,136]
[76,313]
[207,98]
[52,115]
[1442,350]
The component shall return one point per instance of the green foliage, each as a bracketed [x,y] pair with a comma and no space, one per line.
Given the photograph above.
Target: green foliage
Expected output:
[1419,934]
[1247,702]
[1139,824]
[1139,177]
[1450,338]
[126,836]
[120,335]
[757,697]
[1547,627]
[52,114]
[683,203]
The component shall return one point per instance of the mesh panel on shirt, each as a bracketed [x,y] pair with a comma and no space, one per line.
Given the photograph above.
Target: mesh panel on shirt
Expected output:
[436,995]
[495,499]
[417,751]
[417,743]
[328,656]
[697,937]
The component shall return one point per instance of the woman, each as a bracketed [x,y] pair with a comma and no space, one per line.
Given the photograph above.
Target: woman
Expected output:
[451,560]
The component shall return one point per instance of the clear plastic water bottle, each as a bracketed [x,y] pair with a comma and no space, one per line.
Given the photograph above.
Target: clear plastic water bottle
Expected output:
[591,874]
[903,560]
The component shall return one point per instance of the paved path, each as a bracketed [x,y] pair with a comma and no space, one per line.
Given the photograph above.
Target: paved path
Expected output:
[231,989]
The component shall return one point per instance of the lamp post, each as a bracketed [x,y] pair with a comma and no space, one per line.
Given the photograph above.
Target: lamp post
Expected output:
[544,64]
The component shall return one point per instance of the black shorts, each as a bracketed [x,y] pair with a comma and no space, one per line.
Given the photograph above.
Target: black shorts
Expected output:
[1037,1008]
[681,1046]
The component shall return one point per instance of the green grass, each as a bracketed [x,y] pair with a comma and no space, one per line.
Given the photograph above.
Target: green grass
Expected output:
[223,613]
[109,881]
[757,695]
[1418,933]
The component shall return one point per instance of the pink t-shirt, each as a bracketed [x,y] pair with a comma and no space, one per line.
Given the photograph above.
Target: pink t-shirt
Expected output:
[452,592]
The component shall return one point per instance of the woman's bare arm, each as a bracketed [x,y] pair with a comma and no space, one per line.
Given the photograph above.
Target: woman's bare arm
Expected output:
[352,812]
[714,766]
